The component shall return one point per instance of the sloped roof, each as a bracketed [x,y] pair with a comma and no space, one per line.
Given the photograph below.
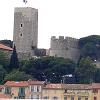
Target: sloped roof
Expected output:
[77,86]
[36,82]
[16,84]
[2,46]
[96,85]
[53,86]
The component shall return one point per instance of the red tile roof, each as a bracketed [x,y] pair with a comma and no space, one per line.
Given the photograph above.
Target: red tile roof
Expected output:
[96,85]
[36,82]
[5,47]
[16,84]
[76,86]
[3,96]
[53,86]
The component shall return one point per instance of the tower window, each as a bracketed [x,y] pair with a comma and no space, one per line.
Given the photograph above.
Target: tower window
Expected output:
[21,25]
[21,34]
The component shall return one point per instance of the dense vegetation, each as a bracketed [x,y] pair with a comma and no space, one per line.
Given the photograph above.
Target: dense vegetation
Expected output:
[90,46]
[55,69]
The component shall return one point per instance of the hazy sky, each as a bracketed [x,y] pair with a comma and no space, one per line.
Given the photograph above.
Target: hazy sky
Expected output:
[74,18]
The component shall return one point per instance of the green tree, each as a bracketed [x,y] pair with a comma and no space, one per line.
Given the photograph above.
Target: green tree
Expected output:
[3,72]
[44,68]
[3,59]
[14,63]
[85,71]
[97,75]
[17,76]
[90,50]
[90,46]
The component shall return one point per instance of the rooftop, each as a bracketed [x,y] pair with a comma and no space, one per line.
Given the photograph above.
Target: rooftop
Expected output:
[77,86]
[36,82]
[2,46]
[53,86]
[16,84]
[96,85]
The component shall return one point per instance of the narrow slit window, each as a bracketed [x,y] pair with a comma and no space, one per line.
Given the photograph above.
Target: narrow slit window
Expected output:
[21,25]
[21,34]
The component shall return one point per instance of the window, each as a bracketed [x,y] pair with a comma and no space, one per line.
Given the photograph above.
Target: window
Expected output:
[21,25]
[95,98]
[72,98]
[95,90]
[15,97]
[65,91]
[65,97]
[86,98]
[36,88]
[79,98]
[7,90]
[46,98]
[0,90]
[21,93]
[55,98]
[22,90]
[21,34]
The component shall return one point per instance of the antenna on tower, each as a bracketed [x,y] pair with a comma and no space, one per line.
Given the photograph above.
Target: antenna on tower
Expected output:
[25,1]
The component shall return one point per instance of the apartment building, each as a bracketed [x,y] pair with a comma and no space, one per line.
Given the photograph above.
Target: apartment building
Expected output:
[52,92]
[77,91]
[48,91]
[35,89]
[17,90]
[95,91]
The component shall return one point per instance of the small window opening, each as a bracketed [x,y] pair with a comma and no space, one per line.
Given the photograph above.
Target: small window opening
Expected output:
[21,25]
[21,34]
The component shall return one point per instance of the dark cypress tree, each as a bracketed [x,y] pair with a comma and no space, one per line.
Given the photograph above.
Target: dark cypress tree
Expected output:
[14,63]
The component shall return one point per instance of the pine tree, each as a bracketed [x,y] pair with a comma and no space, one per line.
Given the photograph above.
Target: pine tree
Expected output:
[14,63]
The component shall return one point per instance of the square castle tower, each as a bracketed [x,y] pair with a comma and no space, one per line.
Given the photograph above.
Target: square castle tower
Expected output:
[25,36]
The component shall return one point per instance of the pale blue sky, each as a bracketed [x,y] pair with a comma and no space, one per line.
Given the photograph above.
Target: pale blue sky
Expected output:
[75,18]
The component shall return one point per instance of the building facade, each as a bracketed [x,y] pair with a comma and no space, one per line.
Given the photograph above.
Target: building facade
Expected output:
[17,90]
[37,90]
[25,36]
[52,92]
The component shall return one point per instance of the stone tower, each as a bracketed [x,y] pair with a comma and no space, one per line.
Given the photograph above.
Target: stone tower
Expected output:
[25,31]
[66,47]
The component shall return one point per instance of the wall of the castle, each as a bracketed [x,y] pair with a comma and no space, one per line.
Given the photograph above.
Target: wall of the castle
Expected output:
[25,30]
[65,47]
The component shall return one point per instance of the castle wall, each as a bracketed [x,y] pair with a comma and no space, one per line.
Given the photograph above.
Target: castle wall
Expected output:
[64,47]
[25,30]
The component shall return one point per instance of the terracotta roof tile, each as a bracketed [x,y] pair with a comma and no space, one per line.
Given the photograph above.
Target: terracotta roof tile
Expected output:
[36,82]
[16,84]
[53,86]
[5,47]
[77,86]
[96,85]
[3,96]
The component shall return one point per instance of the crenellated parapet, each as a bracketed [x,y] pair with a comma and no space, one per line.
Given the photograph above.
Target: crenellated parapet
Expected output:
[66,47]
[63,42]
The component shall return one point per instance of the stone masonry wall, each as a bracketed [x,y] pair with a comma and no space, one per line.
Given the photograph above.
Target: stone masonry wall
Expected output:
[65,47]
[25,31]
